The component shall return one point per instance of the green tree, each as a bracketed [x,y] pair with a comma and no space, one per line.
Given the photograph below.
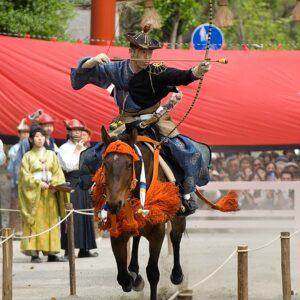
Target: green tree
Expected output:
[263,24]
[178,17]
[43,18]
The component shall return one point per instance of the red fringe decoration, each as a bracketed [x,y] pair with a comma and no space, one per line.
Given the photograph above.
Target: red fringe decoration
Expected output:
[162,200]
[98,192]
[163,204]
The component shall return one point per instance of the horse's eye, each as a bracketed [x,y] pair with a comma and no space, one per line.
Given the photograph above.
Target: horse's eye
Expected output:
[129,165]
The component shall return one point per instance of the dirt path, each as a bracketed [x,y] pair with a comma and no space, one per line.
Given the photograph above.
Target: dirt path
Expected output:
[202,253]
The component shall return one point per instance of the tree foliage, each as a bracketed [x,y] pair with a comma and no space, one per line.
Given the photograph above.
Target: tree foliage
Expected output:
[263,24]
[44,18]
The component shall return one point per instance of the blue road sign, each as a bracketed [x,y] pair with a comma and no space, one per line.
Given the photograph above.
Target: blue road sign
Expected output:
[199,37]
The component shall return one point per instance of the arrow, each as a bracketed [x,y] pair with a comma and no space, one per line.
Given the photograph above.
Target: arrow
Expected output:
[222,61]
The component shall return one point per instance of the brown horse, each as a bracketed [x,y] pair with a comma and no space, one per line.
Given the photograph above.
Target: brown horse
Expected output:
[118,177]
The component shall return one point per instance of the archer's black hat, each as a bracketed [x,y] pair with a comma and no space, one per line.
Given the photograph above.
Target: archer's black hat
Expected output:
[142,39]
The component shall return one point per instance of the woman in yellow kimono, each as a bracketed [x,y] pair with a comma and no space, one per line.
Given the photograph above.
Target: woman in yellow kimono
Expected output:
[40,206]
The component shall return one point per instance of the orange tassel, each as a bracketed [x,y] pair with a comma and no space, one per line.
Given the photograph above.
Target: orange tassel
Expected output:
[229,202]
[226,204]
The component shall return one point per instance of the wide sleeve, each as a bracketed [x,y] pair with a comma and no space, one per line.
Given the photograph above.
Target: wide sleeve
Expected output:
[68,159]
[29,190]
[59,178]
[16,164]
[175,77]
[99,75]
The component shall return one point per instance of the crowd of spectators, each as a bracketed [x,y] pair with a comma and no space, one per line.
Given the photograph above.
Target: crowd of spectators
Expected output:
[264,166]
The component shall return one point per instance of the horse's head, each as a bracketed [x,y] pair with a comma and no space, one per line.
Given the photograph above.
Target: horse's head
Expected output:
[119,167]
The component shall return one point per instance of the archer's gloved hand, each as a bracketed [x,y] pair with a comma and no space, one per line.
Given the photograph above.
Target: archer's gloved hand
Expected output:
[96,60]
[201,69]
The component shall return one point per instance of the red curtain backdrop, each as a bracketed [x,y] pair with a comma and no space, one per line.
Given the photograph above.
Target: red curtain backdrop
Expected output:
[254,100]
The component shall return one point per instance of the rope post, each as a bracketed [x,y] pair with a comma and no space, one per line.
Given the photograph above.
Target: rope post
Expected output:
[286,265]
[242,272]
[71,250]
[185,294]
[7,265]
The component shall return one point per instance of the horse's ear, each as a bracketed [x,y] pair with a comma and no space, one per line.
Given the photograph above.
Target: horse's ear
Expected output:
[133,136]
[105,137]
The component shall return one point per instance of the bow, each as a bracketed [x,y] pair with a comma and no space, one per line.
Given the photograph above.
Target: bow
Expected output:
[206,58]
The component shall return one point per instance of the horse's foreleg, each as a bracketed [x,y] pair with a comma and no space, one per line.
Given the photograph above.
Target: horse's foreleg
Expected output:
[178,227]
[119,247]
[134,269]
[155,242]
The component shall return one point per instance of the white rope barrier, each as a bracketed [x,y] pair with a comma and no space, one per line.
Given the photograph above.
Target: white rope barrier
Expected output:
[214,272]
[6,239]
[263,246]
[256,45]
[8,209]
[83,213]
[208,276]
[229,258]
[40,233]
[49,229]
[294,233]
[17,210]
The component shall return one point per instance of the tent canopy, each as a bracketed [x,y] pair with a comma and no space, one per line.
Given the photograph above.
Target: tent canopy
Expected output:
[254,100]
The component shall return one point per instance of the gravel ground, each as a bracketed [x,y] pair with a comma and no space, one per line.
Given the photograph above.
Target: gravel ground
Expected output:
[202,253]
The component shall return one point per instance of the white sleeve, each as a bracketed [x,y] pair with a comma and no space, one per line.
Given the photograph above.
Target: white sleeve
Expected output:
[2,154]
[68,160]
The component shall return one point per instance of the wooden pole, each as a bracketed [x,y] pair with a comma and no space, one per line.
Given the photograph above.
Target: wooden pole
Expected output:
[185,294]
[7,265]
[71,250]
[103,21]
[286,265]
[242,272]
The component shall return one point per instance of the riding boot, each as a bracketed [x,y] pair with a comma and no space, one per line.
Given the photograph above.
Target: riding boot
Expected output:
[188,205]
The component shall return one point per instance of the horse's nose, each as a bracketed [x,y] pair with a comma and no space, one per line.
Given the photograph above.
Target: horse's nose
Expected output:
[115,207]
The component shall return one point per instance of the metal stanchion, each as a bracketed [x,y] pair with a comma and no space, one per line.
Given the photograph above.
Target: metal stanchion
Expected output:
[242,272]
[71,250]
[7,265]
[286,266]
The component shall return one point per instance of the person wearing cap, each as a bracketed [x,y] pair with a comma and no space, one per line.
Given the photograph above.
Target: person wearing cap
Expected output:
[40,207]
[47,123]
[139,88]
[23,133]
[68,155]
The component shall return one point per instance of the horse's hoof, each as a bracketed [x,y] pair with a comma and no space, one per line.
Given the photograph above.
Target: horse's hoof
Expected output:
[138,284]
[127,288]
[176,280]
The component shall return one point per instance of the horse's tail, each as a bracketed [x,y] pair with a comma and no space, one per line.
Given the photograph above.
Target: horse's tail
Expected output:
[226,204]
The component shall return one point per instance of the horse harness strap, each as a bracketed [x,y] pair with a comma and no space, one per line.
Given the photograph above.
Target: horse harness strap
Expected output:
[141,138]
